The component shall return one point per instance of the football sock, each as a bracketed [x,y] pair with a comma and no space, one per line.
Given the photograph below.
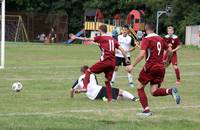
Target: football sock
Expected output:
[162,92]
[177,74]
[130,78]
[86,79]
[114,76]
[108,90]
[143,99]
[127,95]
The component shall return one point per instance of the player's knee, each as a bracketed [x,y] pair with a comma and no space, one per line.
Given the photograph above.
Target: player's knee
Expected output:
[175,66]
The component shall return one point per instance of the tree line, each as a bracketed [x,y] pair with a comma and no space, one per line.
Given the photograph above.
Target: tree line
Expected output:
[185,12]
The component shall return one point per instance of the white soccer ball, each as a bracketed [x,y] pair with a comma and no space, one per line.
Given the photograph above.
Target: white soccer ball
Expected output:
[17,86]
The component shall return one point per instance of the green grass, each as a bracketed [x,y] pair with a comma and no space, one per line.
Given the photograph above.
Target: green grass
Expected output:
[47,73]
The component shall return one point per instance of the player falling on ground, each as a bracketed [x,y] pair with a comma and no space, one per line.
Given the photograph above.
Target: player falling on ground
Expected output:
[174,41]
[153,72]
[127,44]
[107,45]
[95,91]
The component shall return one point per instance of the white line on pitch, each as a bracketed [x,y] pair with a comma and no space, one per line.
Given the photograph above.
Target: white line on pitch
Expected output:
[94,111]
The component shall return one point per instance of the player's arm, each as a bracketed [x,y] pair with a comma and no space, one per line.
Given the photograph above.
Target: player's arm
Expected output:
[177,40]
[124,54]
[72,36]
[177,48]
[131,49]
[168,52]
[139,57]
[72,90]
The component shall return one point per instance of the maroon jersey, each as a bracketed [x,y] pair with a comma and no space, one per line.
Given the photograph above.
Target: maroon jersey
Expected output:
[154,46]
[107,45]
[172,39]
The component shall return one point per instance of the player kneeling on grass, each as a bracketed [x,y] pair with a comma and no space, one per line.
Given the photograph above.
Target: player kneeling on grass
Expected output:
[95,91]
[153,72]
[127,44]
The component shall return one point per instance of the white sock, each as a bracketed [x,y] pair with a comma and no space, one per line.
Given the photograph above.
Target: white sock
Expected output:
[127,95]
[114,76]
[130,78]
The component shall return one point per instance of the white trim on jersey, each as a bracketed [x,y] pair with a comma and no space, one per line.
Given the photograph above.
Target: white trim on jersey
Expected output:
[173,36]
[151,35]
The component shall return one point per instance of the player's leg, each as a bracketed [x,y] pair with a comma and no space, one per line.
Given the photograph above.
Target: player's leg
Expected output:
[157,76]
[129,75]
[86,79]
[96,68]
[176,69]
[108,76]
[143,100]
[114,75]
[128,95]
[157,91]
[118,63]
[143,79]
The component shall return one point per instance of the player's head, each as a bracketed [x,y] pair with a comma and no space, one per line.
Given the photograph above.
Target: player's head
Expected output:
[125,30]
[149,27]
[170,30]
[103,29]
[84,68]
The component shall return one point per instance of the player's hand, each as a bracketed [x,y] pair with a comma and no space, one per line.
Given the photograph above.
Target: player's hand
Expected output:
[77,91]
[128,61]
[129,68]
[72,36]
[166,63]
[71,93]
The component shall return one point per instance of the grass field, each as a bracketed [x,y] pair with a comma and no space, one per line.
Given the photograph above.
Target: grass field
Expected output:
[47,73]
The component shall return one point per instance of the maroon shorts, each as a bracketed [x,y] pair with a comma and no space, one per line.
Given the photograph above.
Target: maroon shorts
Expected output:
[106,66]
[155,75]
[173,60]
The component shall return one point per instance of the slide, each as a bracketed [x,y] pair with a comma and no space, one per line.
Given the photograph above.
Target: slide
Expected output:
[78,34]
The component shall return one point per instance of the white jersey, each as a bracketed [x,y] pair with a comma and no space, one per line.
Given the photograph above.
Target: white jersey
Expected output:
[92,89]
[125,42]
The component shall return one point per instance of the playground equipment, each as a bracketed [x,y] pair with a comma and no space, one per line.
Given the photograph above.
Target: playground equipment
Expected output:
[95,18]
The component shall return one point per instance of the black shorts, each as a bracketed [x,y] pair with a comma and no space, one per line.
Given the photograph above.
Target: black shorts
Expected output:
[103,93]
[121,61]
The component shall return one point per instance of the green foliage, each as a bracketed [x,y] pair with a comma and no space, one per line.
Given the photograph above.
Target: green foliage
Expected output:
[185,12]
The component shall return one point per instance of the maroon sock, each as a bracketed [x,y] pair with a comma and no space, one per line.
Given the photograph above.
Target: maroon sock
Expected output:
[162,92]
[143,99]
[87,78]
[177,74]
[108,90]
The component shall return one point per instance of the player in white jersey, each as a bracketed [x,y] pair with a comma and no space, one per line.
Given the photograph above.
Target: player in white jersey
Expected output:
[95,91]
[127,44]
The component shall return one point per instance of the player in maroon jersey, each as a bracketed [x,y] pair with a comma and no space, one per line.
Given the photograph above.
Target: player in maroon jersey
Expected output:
[153,72]
[174,41]
[107,45]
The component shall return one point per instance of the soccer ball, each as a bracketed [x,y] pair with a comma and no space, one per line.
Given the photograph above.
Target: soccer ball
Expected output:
[17,86]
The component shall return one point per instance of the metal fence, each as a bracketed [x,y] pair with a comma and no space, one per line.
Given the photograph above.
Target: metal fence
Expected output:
[37,24]
[192,35]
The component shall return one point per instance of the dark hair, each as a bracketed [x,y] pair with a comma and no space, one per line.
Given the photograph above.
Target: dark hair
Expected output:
[126,26]
[84,68]
[170,27]
[150,26]
[103,28]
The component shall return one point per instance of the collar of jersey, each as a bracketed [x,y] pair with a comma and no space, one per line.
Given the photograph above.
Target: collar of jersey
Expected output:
[151,35]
